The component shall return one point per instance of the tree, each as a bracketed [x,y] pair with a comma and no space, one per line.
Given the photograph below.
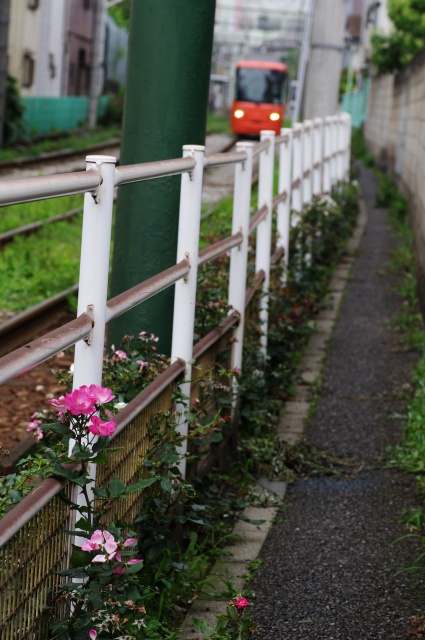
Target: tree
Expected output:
[391,53]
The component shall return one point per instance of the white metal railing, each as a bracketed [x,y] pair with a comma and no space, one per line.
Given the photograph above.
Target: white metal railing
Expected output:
[312,157]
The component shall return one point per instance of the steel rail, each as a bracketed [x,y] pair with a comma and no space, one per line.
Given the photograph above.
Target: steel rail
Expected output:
[21,190]
[231,157]
[256,284]
[31,313]
[258,216]
[41,349]
[148,170]
[7,236]
[140,292]
[220,247]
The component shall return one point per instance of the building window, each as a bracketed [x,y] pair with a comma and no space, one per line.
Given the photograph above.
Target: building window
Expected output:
[33,4]
[28,67]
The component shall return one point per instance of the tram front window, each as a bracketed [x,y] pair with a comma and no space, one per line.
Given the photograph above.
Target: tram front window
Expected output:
[259,85]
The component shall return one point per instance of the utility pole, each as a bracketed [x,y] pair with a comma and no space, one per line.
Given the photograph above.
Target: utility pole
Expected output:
[166,102]
[302,65]
[321,92]
[4,32]
[97,66]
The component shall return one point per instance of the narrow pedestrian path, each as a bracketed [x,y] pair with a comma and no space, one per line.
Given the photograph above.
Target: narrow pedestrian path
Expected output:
[331,565]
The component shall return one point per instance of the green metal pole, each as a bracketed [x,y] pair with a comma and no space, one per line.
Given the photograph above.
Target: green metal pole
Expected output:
[169,61]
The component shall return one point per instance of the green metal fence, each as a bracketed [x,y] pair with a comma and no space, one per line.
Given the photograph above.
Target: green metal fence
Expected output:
[45,115]
[355,103]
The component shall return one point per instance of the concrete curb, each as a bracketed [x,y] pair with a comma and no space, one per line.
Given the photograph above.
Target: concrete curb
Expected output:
[249,538]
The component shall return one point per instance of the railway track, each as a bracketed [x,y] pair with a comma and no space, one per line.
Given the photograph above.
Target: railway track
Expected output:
[55,161]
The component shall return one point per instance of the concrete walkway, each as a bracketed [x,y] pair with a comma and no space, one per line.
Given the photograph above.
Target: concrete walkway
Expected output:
[330,566]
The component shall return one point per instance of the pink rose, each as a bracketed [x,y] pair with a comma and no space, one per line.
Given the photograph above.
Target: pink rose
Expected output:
[102,394]
[59,404]
[32,426]
[241,603]
[92,634]
[80,401]
[101,428]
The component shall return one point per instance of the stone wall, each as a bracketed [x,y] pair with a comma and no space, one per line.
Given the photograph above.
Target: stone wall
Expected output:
[395,134]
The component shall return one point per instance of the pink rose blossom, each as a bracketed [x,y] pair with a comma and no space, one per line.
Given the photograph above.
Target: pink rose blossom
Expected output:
[102,394]
[119,355]
[59,404]
[100,558]
[101,428]
[92,634]
[110,545]
[32,426]
[129,542]
[80,401]
[134,561]
[241,603]
[39,434]
[142,363]
[119,570]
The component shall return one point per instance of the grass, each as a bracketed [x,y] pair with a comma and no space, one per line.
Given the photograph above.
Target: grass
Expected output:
[18,215]
[75,141]
[39,266]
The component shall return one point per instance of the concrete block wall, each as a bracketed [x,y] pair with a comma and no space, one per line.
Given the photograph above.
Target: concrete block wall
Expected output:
[395,134]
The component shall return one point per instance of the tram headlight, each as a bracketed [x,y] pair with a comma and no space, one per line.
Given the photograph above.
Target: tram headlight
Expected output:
[274,116]
[239,113]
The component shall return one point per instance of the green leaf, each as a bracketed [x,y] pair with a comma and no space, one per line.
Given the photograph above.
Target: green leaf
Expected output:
[116,487]
[102,493]
[56,427]
[79,558]
[15,495]
[134,568]
[202,626]
[142,484]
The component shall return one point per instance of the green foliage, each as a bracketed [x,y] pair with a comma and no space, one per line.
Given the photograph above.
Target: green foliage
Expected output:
[23,273]
[392,52]
[14,112]
[120,13]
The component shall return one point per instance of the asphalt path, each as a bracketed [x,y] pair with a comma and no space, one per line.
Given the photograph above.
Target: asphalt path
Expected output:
[333,565]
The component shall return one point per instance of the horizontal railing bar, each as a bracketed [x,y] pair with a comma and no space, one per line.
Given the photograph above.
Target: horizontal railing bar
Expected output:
[215,334]
[33,312]
[231,157]
[296,183]
[280,197]
[148,170]
[256,284]
[220,247]
[21,190]
[261,146]
[24,511]
[277,255]
[141,292]
[148,395]
[258,216]
[281,139]
[41,349]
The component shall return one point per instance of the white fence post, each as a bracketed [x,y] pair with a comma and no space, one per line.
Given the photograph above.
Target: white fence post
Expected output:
[284,207]
[306,173]
[94,269]
[327,150]
[297,161]
[264,230]
[239,255]
[93,285]
[347,146]
[317,155]
[185,289]
[333,149]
